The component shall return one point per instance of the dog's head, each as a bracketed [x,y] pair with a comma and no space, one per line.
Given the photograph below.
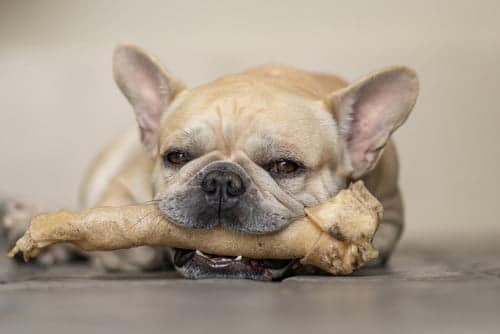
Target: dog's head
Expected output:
[249,151]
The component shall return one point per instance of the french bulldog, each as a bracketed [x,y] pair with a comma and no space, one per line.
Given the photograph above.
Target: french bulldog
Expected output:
[247,151]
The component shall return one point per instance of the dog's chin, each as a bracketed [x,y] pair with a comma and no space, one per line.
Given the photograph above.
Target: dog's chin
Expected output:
[195,264]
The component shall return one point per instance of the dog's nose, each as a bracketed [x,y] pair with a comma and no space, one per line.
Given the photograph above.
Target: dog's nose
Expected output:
[222,186]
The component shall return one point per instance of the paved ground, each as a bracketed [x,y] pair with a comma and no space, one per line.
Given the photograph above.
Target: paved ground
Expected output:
[423,291]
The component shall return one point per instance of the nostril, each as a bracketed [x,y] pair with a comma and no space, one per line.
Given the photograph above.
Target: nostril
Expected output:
[235,187]
[209,184]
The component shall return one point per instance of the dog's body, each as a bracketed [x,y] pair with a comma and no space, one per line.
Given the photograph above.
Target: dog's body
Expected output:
[249,151]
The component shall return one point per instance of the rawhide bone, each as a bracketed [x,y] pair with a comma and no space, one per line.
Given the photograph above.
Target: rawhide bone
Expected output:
[335,236]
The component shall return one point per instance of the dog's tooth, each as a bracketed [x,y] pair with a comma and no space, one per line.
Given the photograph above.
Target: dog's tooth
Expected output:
[238,258]
[199,253]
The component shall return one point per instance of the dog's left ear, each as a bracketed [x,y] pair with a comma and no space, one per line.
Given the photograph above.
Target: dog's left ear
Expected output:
[370,110]
[148,86]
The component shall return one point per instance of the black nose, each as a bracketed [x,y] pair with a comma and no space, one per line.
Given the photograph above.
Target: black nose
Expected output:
[222,185]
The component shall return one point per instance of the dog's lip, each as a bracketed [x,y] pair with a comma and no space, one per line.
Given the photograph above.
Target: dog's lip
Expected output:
[230,266]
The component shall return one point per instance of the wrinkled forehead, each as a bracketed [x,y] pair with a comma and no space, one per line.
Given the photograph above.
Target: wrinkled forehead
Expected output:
[249,118]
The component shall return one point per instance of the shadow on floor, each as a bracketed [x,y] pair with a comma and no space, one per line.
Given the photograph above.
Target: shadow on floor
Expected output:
[422,290]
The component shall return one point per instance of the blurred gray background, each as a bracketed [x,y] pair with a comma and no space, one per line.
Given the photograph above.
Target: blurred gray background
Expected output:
[59,104]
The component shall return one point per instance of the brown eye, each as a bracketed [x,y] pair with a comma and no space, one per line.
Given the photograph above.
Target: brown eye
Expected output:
[176,158]
[283,167]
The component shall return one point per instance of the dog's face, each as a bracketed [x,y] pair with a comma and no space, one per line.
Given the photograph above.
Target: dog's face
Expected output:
[250,151]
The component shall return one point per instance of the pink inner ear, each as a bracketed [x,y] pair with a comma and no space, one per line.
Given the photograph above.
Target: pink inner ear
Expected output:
[149,106]
[143,84]
[380,105]
[369,118]
[146,87]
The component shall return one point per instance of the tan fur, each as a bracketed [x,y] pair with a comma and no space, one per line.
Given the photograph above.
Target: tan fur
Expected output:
[118,180]
[336,130]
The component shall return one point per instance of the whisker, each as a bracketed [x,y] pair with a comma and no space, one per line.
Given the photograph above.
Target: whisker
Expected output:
[151,201]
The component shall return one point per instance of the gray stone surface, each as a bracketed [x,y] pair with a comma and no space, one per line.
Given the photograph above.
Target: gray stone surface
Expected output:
[422,291]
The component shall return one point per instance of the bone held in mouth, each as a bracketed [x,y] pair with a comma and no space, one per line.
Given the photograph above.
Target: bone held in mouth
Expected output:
[335,236]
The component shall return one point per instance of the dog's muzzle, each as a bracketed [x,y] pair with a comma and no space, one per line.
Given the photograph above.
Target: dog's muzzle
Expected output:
[222,193]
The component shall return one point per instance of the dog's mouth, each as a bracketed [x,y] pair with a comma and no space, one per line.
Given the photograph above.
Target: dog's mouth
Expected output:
[196,264]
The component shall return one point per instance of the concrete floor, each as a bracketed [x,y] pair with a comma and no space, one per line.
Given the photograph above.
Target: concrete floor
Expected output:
[422,291]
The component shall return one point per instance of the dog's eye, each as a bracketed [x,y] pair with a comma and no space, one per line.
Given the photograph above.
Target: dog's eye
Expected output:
[282,167]
[176,158]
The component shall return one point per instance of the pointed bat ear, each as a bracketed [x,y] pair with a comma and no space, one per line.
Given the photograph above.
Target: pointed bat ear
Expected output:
[370,110]
[147,85]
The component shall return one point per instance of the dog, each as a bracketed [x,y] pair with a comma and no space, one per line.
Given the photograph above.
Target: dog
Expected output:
[247,151]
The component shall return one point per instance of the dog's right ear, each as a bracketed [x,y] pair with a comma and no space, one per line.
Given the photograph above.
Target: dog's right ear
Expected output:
[148,86]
